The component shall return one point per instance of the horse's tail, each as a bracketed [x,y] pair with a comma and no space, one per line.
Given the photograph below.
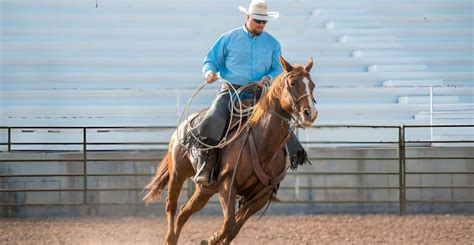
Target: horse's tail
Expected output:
[159,182]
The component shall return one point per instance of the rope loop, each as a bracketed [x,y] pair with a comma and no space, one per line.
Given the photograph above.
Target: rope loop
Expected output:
[236,107]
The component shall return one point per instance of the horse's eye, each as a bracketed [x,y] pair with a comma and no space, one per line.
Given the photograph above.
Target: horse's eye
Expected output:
[292,83]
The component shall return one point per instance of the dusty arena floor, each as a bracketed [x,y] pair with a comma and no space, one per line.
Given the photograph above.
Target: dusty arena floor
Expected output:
[319,229]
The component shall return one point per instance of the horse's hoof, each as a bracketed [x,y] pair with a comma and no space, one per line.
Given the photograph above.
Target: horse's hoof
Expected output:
[203,242]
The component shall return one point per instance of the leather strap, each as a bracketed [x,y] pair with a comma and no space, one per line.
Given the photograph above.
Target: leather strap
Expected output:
[266,180]
[257,168]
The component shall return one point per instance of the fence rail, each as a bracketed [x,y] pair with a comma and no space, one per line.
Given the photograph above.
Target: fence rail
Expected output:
[84,154]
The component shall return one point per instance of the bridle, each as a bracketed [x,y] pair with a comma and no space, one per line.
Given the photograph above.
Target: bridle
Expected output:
[296,103]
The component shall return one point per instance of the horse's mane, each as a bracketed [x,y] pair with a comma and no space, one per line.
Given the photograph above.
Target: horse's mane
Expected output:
[269,98]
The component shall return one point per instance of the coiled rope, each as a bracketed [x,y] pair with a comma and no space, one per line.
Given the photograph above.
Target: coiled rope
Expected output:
[238,110]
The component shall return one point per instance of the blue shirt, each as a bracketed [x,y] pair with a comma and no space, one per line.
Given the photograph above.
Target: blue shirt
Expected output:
[241,58]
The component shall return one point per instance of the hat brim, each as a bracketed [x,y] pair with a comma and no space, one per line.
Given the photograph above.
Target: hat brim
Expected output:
[269,16]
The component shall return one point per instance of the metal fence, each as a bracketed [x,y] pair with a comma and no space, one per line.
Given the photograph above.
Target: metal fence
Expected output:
[86,148]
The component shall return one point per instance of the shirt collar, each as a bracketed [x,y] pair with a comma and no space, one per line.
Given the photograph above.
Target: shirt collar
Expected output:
[248,33]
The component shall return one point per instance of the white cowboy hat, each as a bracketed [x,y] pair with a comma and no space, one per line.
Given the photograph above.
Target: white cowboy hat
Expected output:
[258,10]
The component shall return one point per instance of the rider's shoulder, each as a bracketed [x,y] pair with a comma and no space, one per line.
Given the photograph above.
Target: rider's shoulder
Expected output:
[270,36]
[230,33]
[234,31]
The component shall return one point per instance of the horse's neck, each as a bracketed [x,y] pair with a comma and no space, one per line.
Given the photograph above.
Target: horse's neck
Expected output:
[271,129]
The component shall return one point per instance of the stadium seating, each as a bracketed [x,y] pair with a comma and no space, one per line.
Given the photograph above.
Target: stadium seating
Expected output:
[124,63]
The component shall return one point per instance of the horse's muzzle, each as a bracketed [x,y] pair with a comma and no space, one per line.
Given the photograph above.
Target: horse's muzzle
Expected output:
[308,116]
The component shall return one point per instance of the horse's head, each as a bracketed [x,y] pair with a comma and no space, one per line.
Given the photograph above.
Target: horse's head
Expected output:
[297,92]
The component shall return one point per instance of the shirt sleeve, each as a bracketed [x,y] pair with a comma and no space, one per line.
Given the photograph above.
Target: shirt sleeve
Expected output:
[214,61]
[276,68]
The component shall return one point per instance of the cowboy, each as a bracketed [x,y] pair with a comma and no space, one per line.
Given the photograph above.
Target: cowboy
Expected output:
[241,56]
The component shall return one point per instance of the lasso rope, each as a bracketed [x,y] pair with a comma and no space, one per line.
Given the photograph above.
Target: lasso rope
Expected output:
[236,110]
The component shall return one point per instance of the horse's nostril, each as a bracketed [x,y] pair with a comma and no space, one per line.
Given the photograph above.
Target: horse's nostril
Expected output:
[306,113]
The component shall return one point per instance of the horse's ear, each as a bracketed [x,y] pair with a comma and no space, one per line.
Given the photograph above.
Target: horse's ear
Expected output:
[286,66]
[309,65]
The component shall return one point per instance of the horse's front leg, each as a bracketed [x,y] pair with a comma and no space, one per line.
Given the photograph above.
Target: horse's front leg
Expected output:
[228,198]
[194,204]
[245,212]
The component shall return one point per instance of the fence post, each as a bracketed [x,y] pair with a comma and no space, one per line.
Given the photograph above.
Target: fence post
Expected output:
[84,163]
[9,143]
[431,113]
[401,157]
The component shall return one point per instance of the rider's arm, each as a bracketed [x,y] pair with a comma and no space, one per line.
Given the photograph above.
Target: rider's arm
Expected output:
[215,58]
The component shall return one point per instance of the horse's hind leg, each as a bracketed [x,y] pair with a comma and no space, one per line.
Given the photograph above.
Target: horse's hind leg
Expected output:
[174,188]
[197,201]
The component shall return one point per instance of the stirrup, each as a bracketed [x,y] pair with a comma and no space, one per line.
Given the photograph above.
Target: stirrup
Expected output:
[202,180]
[201,177]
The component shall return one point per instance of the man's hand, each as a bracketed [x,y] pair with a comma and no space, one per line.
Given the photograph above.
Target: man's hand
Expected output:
[211,77]
[264,82]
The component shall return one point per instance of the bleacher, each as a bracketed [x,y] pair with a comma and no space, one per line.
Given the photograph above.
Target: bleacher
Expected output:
[136,63]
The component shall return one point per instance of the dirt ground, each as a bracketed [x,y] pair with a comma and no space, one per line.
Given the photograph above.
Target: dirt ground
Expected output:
[316,229]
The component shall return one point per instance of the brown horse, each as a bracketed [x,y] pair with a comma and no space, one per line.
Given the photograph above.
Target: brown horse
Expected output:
[251,166]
